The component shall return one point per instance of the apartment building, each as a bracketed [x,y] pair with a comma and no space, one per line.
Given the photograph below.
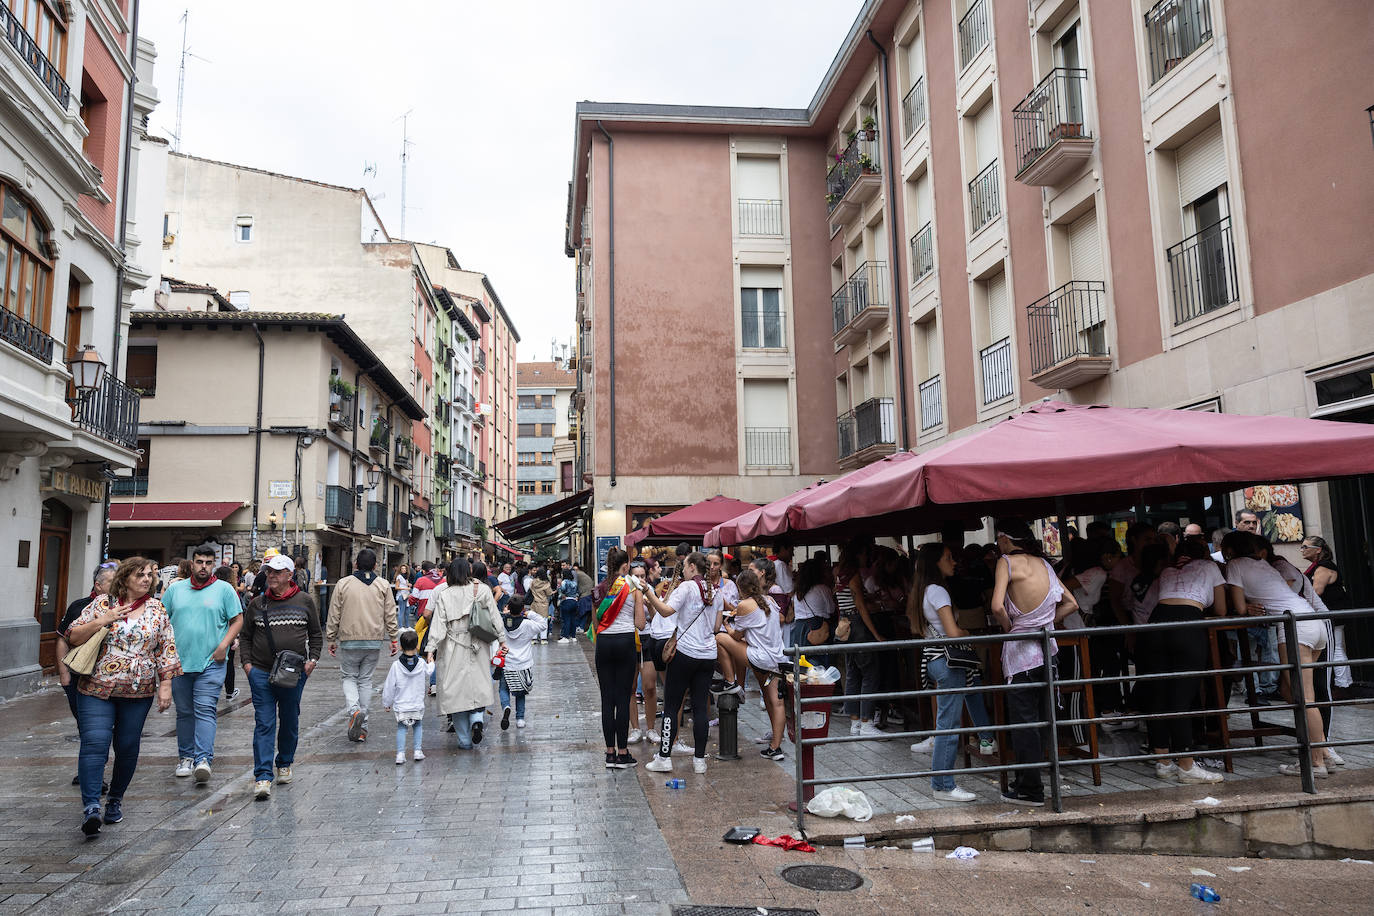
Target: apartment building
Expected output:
[256,432]
[546,446]
[1159,204]
[69,265]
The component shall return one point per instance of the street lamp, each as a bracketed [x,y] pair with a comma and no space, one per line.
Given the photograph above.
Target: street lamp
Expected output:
[88,370]
[374,477]
[272,520]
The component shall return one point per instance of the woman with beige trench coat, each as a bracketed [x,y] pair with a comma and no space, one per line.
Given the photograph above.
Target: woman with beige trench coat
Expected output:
[462,663]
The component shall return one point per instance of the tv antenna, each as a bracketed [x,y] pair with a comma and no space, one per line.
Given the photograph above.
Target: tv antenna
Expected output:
[406,143]
[185,21]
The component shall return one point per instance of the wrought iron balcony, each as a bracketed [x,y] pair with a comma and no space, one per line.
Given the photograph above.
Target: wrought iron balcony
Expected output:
[932,404]
[27,337]
[985,204]
[33,56]
[405,450]
[768,447]
[1052,140]
[1202,272]
[380,439]
[377,521]
[1068,335]
[760,217]
[854,177]
[130,486]
[338,506]
[914,107]
[998,380]
[974,32]
[864,304]
[922,253]
[1174,29]
[341,412]
[464,523]
[866,433]
[443,527]
[110,412]
[479,359]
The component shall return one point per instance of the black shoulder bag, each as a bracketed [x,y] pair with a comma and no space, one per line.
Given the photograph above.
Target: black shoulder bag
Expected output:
[288,664]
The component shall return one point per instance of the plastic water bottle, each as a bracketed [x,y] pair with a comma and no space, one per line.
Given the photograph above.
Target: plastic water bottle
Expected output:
[1204,893]
[676,783]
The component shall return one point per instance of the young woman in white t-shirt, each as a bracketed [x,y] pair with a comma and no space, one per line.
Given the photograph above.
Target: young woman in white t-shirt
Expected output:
[1188,589]
[931,614]
[695,622]
[617,661]
[753,639]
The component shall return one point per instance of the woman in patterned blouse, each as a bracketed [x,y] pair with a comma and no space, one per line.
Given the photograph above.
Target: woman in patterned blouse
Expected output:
[137,660]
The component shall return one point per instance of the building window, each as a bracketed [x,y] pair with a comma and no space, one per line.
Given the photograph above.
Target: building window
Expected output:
[545,487]
[525,488]
[526,402]
[534,430]
[767,423]
[25,269]
[566,472]
[141,370]
[243,229]
[760,298]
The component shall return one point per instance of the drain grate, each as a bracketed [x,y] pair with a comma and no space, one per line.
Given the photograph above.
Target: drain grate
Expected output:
[694,910]
[822,878]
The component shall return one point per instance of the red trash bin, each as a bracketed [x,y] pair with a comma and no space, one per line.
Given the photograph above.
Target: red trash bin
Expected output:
[815,724]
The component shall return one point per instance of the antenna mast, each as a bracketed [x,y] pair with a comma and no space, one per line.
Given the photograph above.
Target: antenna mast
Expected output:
[181,80]
[405,154]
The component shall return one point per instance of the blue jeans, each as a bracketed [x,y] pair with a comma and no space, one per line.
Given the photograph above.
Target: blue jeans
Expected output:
[276,718]
[505,693]
[567,613]
[462,726]
[196,696]
[403,613]
[401,730]
[1266,651]
[118,721]
[949,709]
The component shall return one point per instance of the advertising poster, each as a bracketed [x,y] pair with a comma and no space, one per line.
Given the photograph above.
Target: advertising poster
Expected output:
[1279,509]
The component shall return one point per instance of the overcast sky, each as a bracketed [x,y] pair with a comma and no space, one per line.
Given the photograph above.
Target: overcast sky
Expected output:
[318,89]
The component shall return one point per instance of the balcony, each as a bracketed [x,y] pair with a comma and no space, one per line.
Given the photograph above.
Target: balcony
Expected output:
[914,108]
[1068,335]
[110,412]
[130,486]
[1174,29]
[380,439]
[479,359]
[341,412]
[1202,272]
[984,203]
[932,404]
[464,400]
[973,32]
[855,177]
[922,253]
[377,519]
[338,506]
[463,523]
[38,62]
[767,447]
[862,303]
[405,451]
[998,380]
[866,433]
[760,217]
[443,528]
[27,337]
[1052,140]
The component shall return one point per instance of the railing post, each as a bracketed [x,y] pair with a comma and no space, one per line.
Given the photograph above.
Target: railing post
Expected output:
[1290,634]
[797,744]
[1056,793]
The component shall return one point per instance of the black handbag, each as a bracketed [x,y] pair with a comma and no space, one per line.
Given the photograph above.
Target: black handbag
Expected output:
[961,655]
[287,665]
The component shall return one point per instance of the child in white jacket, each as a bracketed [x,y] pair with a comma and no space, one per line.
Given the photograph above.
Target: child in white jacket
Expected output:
[523,627]
[404,693]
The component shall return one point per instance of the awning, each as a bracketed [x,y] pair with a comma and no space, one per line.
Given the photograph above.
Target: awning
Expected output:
[171,515]
[689,524]
[532,524]
[514,551]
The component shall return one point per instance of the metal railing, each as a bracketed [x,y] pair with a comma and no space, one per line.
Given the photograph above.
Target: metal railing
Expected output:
[377,522]
[443,527]
[1202,272]
[1053,111]
[866,288]
[1048,688]
[760,217]
[914,107]
[464,522]
[762,327]
[479,360]
[1071,321]
[839,305]
[380,438]
[145,385]
[338,506]
[932,406]
[129,486]
[1174,29]
[767,447]
[111,412]
[974,32]
[859,157]
[985,205]
[33,56]
[344,408]
[868,424]
[30,338]
[997,375]
[405,449]
[922,252]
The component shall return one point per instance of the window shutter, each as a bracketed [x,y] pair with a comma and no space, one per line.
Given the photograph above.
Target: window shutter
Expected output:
[1085,249]
[985,136]
[759,178]
[1201,165]
[922,200]
[999,317]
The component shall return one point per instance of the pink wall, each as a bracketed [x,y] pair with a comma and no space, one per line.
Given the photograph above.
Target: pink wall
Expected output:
[1306,157]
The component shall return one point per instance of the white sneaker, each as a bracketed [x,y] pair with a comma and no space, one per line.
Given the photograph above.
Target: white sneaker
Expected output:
[400,758]
[418,755]
[680,748]
[660,764]
[1295,769]
[698,764]
[1198,775]
[1333,759]
[202,772]
[869,730]
[854,726]
[924,747]
[988,748]
[1167,770]
[519,723]
[284,775]
[262,789]
[763,704]
[635,736]
[955,794]
[184,766]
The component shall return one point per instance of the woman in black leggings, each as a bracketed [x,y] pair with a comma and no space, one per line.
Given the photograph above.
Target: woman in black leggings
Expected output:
[696,620]
[617,659]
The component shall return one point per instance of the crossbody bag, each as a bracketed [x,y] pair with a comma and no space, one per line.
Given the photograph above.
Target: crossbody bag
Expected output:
[670,646]
[288,664]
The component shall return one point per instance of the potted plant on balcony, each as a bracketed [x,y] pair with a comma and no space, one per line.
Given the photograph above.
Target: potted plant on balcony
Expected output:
[867,164]
[831,198]
[869,130]
[340,389]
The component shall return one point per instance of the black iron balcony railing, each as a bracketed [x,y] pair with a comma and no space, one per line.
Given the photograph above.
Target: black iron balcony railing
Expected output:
[762,327]
[1202,272]
[868,424]
[33,56]
[443,527]
[973,32]
[341,412]
[381,434]
[27,337]
[338,506]
[405,450]
[985,204]
[839,304]
[145,385]
[760,217]
[377,521]
[111,412]
[479,359]
[767,447]
[922,253]
[997,374]
[1070,321]
[1174,29]
[464,523]
[130,486]
[859,157]
[914,107]
[1052,111]
[932,405]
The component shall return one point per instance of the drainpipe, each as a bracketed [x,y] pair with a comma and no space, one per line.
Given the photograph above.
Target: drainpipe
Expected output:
[894,243]
[610,186]
[257,439]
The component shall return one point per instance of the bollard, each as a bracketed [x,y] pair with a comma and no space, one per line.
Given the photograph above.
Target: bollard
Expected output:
[727,710]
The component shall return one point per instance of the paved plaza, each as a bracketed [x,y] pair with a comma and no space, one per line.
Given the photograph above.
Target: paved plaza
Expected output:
[531,822]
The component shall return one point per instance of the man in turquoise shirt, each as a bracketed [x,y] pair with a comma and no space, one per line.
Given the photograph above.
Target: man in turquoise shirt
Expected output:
[206,617]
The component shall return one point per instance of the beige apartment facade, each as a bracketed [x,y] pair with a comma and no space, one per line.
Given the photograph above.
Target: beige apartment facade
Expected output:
[291,464]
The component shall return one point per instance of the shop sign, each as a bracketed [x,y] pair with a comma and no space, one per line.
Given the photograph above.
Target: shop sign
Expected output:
[61,481]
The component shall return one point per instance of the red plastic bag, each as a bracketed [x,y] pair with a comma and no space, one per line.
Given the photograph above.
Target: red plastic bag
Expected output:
[786,842]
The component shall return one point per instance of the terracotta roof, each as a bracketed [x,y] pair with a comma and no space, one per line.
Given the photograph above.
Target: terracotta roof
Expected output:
[543,375]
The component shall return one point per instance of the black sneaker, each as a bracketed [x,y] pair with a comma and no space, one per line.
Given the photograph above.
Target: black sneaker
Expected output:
[505,718]
[610,761]
[357,731]
[90,822]
[624,761]
[114,812]
[772,753]
[1023,798]
[477,733]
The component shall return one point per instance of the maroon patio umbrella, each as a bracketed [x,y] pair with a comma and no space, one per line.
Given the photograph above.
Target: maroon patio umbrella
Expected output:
[690,523]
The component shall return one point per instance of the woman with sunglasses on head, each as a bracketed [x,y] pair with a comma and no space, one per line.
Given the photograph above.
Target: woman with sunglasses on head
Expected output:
[618,616]
[753,639]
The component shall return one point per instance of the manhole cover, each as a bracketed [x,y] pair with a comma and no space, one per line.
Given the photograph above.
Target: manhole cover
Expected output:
[693,910]
[822,877]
